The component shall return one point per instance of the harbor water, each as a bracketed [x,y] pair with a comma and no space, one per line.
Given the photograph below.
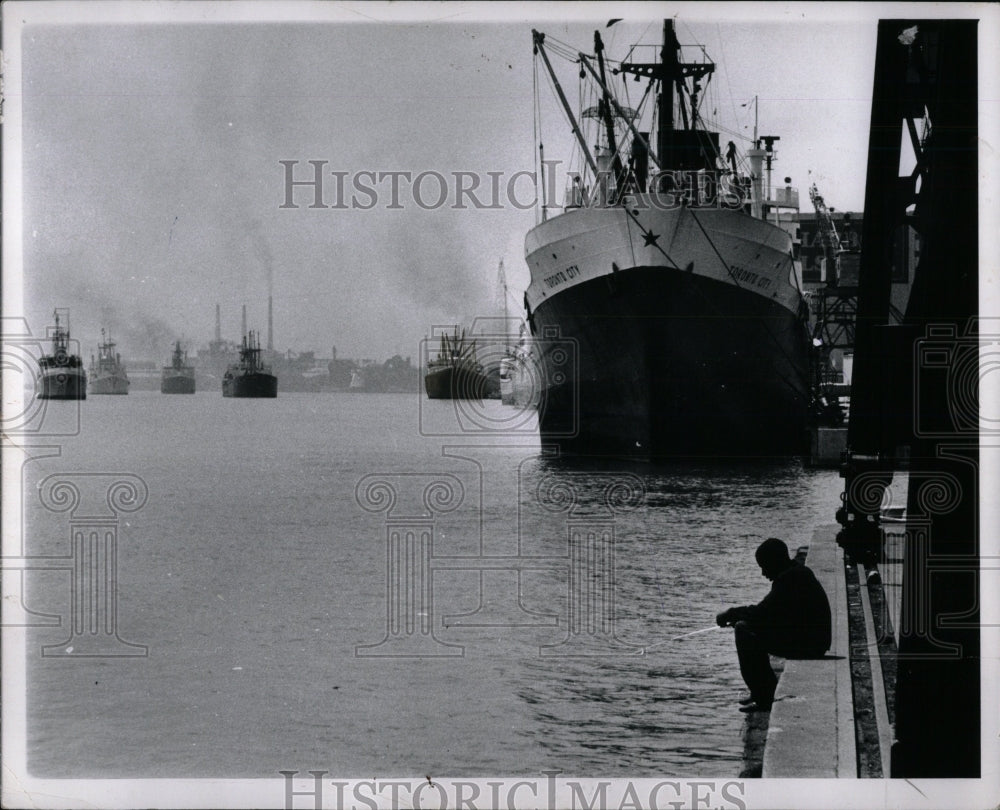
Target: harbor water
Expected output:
[529,630]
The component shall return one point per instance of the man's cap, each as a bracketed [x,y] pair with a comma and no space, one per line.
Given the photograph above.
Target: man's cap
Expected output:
[772,550]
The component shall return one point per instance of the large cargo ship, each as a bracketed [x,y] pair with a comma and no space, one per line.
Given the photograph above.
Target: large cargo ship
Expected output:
[107,372]
[250,378]
[62,375]
[178,377]
[665,301]
[455,373]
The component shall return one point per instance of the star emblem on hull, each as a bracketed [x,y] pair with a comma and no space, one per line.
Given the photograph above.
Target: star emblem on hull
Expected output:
[650,238]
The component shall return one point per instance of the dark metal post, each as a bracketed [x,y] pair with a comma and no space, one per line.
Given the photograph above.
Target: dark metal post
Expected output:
[938,684]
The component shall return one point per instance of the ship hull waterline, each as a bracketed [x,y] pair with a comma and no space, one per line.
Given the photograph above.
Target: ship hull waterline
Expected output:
[63,384]
[251,386]
[177,384]
[455,383]
[663,363]
[109,385]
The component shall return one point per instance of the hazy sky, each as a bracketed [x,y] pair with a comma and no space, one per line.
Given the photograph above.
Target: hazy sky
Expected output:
[152,187]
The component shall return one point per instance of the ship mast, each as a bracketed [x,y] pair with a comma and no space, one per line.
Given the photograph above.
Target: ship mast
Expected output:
[605,108]
[669,71]
[665,101]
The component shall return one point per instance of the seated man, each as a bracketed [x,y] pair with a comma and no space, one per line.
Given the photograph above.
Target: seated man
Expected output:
[792,621]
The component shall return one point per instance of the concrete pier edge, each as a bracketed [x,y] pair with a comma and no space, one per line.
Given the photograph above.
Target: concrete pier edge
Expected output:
[811,730]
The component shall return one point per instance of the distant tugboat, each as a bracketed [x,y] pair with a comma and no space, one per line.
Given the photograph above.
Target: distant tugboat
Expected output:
[455,373]
[63,376]
[250,377]
[107,371]
[178,377]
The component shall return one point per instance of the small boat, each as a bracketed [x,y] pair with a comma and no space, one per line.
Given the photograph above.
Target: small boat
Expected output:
[519,378]
[107,372]
[178,377]
[62,374]
[250,378]
[358,382]
[455,373]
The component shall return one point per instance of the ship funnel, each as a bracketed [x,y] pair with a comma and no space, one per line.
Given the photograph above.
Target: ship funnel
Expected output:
[270,326]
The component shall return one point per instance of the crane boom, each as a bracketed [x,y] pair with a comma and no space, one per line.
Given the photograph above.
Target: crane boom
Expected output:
[828,236]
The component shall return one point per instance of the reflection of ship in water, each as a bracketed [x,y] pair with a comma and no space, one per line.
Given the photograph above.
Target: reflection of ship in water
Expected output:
[250,378]
[455,373]
[178,377]
[107,372]
[62,375]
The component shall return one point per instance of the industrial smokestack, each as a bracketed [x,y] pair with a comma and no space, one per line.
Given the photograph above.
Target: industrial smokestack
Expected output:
[218,324]
[270,326]
[244,330]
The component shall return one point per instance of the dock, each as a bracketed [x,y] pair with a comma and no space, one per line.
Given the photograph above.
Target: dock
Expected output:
[832,717]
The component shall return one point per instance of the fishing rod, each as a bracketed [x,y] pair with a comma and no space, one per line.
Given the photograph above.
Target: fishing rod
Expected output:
[683,635]
[697,632]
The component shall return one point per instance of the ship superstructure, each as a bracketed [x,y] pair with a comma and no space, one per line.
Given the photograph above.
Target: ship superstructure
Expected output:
[178,377]
[250,377]
[107,371]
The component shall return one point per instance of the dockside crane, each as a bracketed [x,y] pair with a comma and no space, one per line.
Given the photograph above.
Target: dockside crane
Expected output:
[828,236]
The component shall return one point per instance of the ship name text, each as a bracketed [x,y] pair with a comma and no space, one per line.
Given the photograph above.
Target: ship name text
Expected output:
[562,276]
[743,276]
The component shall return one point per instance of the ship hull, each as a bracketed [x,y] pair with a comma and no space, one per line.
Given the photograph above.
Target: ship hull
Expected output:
[250,386]
[113,384]
[454,382]
[63,384]
[659,381]
[177,384]
[668,333]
